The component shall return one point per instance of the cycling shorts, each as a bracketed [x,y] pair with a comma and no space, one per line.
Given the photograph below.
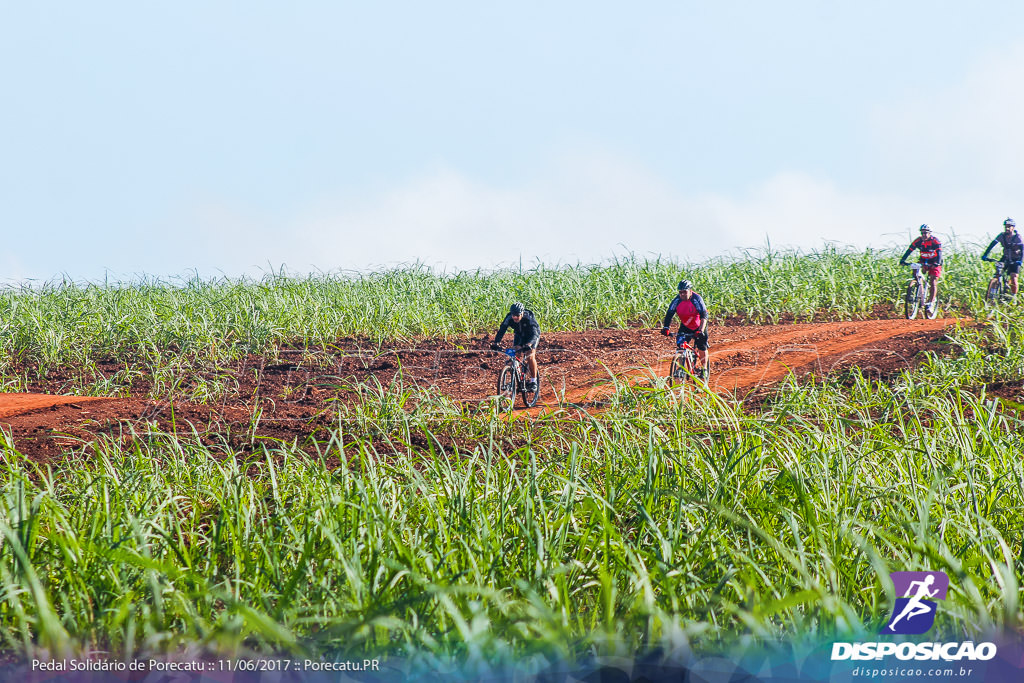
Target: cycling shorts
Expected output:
[700,339]
[1011,267]
[932,271]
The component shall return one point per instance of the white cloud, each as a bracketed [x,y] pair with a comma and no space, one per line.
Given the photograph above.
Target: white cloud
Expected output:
[587,209]
[950,158]
[582,208]
[592,208]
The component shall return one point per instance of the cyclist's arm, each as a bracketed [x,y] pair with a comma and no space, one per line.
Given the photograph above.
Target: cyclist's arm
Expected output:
[702,310]
[667,322]
[534,333]
[501,329]
[984,257]
[908,252]
[938,255]
[1015,251]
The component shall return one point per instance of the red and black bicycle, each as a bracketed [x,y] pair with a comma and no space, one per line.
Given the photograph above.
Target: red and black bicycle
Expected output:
[684,364]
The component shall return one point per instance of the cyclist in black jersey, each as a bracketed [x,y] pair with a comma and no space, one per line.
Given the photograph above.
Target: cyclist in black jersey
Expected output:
[1013,252]
[526,337]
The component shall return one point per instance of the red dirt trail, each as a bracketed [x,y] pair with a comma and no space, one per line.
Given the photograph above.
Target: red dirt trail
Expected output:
[296,401]
[17,404]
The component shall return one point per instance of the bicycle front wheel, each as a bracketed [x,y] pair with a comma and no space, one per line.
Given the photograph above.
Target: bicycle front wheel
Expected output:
[690,364]
[676,374]
[993,291]
[682,368]
[915,293]
[507,386]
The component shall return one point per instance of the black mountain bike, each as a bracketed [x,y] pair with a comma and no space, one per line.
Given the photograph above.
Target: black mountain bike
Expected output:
[512,381]
[917,290]
[999,286]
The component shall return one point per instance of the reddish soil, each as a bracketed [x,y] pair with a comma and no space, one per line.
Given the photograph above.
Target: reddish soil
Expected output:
[297,401]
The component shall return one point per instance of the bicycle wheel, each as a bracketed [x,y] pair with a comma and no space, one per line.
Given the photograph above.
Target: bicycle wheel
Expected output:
[915,293]
[530,397]
[682,368]
[676,374]
[993,291]
[507,386]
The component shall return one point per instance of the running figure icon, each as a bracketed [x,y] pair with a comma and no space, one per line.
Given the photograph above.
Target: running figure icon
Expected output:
[914,606]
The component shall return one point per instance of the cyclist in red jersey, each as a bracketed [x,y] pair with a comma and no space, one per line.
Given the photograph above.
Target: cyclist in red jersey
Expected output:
[693,323]
[931,262]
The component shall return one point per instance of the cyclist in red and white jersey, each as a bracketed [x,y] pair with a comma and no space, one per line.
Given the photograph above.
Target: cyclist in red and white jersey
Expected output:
[931,262]
[693,323]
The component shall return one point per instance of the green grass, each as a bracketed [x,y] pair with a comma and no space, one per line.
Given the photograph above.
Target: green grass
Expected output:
[437,535]
[166,333]
[662,522]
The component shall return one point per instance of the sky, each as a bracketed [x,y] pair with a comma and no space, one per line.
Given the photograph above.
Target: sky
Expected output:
[237,138]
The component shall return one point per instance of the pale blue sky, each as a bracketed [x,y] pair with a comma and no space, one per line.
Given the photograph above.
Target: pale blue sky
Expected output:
[230,137]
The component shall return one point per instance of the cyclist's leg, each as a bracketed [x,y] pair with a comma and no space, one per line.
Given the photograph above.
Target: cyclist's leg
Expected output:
[701,342]
[934,273]
[1012,270]
[684,335]
[530,357]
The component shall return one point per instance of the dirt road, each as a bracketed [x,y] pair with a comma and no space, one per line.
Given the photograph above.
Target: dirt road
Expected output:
[298,400]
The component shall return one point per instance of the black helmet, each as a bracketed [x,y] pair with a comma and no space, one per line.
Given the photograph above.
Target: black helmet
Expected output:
[1009,223]
[925,228]
[516,309]
[684,284]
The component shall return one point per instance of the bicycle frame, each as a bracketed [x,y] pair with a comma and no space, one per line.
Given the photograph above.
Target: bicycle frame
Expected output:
[1002,275]
[999,284]
[917,293]
[518,376]
[516,369]
[684,362]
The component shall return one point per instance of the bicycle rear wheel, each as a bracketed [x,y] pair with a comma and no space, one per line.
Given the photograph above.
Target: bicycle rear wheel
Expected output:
[915,293]
[507,387]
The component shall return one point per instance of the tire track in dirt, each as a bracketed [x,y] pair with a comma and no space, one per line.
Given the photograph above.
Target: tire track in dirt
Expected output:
[17,404]
[812,350]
